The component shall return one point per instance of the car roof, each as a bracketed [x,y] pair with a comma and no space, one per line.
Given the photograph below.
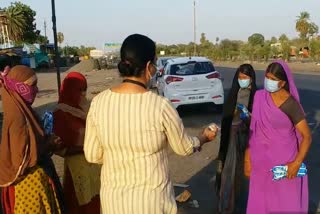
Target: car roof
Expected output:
[165,57]
[183,60]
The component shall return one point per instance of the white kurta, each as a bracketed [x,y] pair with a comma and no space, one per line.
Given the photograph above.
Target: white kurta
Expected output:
[129,134]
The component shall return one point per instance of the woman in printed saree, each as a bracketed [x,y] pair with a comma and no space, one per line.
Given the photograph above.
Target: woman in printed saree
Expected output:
[279,135]
[27,188]
[81,179]
[231,185]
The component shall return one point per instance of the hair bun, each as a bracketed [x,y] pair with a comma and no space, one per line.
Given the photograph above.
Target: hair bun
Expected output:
[125,69]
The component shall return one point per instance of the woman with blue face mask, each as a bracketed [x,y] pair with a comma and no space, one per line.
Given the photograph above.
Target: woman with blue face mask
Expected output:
[231,185]
[279,135]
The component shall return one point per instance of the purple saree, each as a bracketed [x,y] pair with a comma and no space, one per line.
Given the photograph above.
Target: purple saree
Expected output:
[274,141]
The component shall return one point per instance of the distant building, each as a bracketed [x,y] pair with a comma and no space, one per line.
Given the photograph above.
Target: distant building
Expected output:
[276,45]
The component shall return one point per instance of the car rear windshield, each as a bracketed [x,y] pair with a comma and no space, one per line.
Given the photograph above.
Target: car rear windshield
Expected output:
[191,68]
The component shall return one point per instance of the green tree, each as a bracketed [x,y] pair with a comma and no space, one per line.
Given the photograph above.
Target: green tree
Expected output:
[273,40]
[205,47]
[256,39]
[315,49]
[16,22]
[21,23]
[285,46]
[313,29]
[247,51]
[182,49]
[161,47]
[229,49]
[190,48]
[283,38]
[42,39]
[84,51]
[266,50]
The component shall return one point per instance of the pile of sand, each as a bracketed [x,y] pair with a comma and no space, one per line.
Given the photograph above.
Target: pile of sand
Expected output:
[83,66]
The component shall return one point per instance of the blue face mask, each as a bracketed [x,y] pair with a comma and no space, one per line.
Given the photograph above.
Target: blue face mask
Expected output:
[244,83]
[271,85]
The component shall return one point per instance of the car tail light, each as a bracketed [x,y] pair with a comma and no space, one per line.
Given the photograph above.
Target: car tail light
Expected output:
[175,101]
[215,75]
[215,97]
[171,79]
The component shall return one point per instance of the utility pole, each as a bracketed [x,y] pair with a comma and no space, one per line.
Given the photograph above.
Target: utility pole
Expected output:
[45,29]
[194,29]
[57,57]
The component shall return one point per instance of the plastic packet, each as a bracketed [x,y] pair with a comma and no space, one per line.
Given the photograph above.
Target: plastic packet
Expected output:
[47,122]
[280,172]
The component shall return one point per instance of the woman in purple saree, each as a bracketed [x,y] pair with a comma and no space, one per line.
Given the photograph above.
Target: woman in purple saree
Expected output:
[279,134]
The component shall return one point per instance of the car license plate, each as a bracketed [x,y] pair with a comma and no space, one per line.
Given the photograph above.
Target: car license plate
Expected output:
[196,97]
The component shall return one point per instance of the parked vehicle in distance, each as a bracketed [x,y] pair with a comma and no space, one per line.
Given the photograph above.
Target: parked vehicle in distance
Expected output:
[160,65]
[191,80]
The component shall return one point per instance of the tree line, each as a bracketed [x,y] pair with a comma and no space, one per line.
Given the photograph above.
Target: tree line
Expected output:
[20,20]
[257,47]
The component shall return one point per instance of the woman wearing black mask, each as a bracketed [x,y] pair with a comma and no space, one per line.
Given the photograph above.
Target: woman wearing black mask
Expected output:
[128,130]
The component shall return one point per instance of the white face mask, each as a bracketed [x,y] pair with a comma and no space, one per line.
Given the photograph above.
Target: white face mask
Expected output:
[244,83]
[271,85]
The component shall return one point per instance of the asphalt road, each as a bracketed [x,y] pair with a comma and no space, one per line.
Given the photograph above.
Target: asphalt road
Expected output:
[198,170]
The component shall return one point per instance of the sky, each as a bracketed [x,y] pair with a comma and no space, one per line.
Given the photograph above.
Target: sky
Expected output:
[95,22]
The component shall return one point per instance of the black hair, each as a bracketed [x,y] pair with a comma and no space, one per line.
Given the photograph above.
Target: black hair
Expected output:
[248,70]
[228,112]
[4,61]
[277,70]
[136,51]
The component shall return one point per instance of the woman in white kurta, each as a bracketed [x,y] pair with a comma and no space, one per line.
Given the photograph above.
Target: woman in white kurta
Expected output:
[128,130]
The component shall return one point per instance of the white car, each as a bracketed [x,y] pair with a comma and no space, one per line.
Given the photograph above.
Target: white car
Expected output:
[191,80]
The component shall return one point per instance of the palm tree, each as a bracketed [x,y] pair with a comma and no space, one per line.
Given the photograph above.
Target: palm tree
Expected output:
[2,24]
[60,37]
[217,40]
[304,15]
[16,22]
[302,24]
